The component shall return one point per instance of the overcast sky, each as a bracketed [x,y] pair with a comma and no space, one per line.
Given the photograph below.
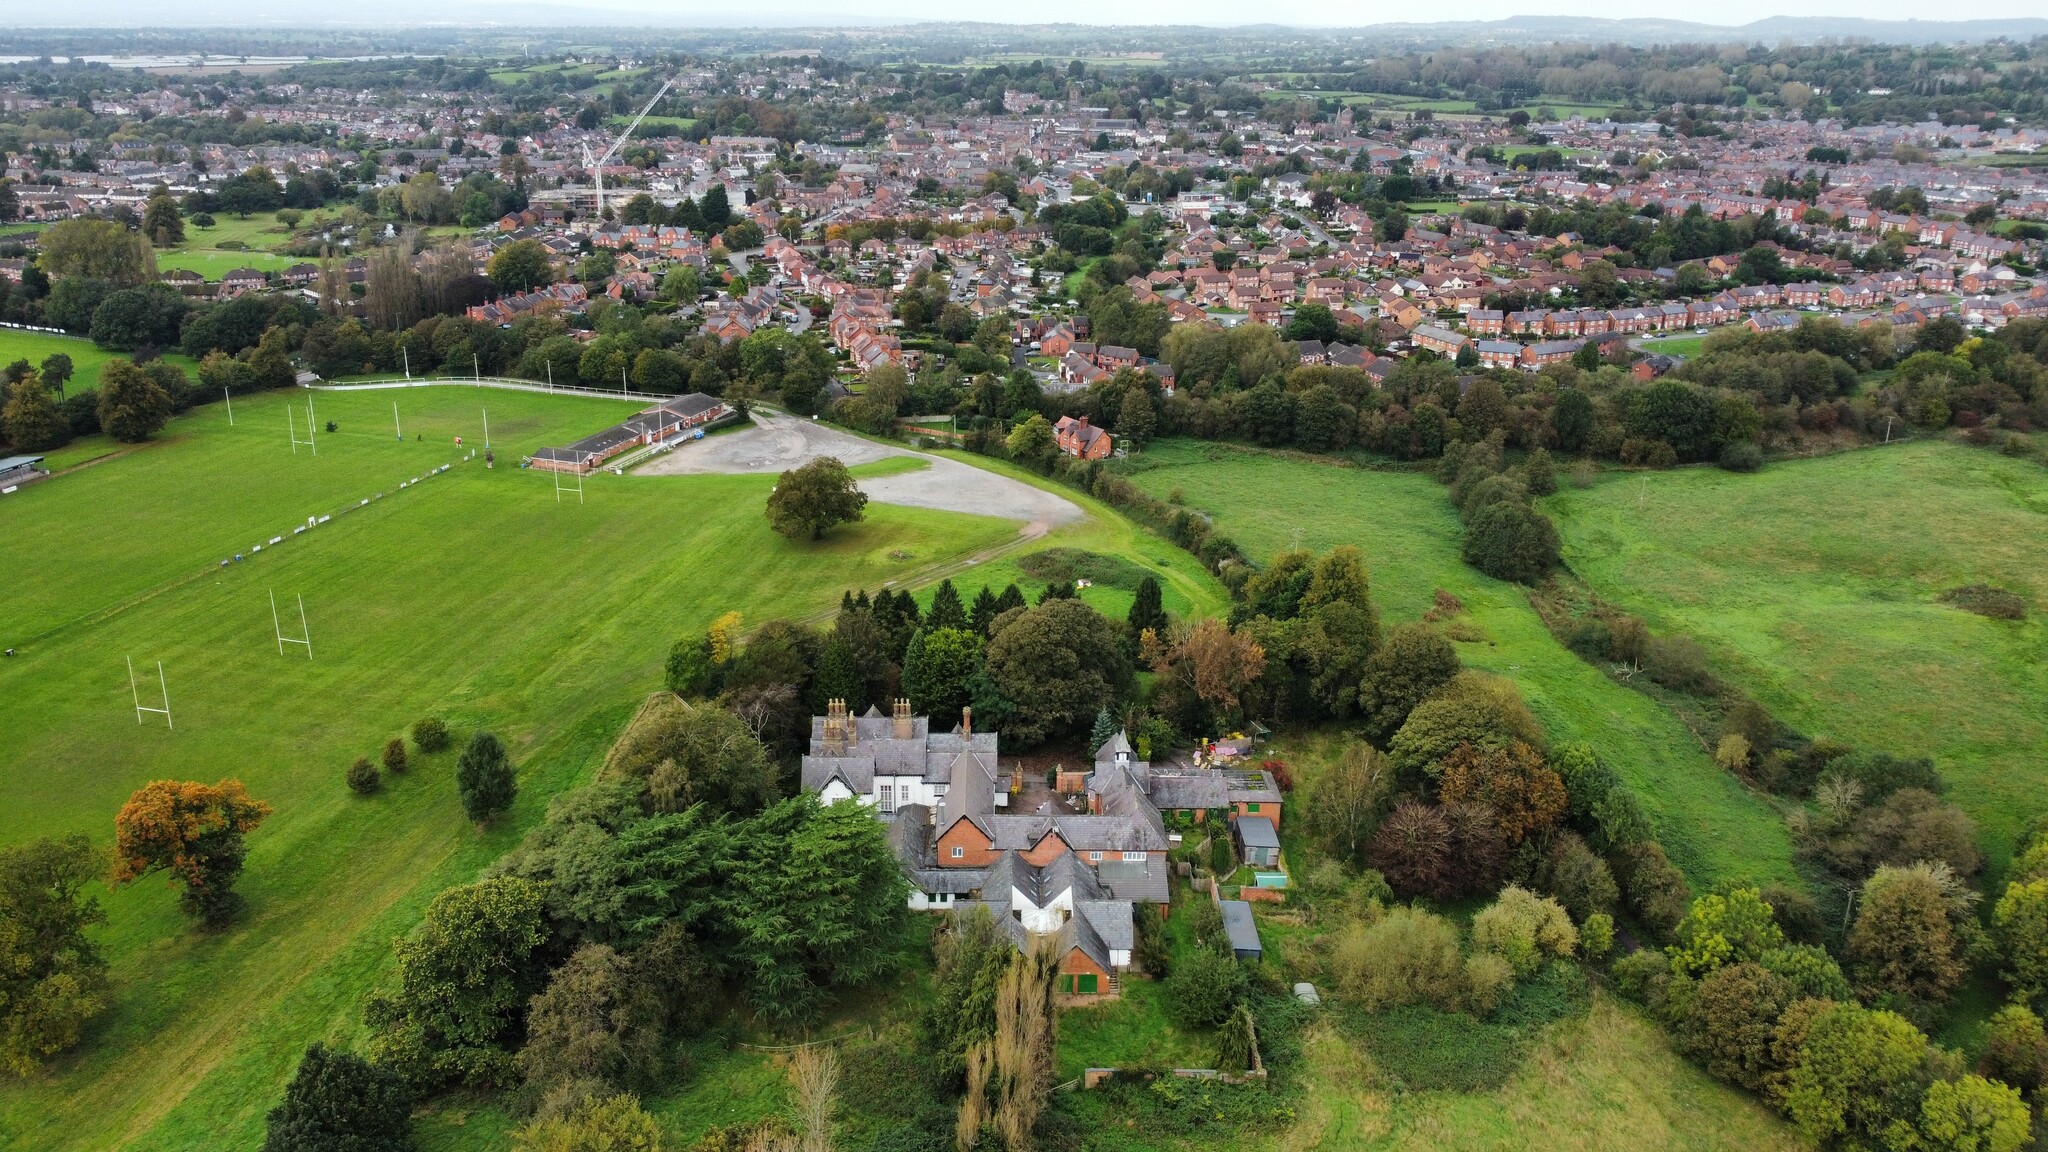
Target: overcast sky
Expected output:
[1305,13]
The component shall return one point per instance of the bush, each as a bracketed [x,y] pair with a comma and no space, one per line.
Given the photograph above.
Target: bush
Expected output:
[1643,975]
[363,777]
[1408,957]
[394,755]
[1742,456]
[1488,977]
[1596,936]
[429,734]
[1677,663]
[1524,929]
[1204,988]
[1652,888]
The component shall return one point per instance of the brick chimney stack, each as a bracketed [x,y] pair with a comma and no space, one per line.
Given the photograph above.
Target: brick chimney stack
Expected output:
[904,729]
[967,721]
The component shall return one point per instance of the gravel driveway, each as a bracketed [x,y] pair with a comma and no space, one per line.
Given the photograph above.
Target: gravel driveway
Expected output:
[777,443]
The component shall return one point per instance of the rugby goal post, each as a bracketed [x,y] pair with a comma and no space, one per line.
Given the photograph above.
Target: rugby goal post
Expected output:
[305,636]
[163,687]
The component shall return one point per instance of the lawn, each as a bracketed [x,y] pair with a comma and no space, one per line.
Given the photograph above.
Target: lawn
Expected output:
[1186,588]
[1403,521]
[1682,346]
[1813,583]
[475,596]
[202,252]
[648,124]
[87,358]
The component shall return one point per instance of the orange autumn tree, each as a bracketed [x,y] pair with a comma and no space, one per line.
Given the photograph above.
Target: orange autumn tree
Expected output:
[1526,794]
[194,832]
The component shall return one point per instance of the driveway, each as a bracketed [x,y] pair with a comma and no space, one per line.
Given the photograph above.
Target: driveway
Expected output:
[779,442]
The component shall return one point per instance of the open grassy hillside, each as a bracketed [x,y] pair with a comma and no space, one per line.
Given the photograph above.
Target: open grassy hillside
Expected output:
[87,358]
[475,595]
[1404,523]
[1813,584]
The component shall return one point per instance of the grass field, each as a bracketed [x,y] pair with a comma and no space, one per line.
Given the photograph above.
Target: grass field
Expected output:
[649,124]
[87,358]
[1713,828]
[1609,1081]
[1686,346]
[475,595]
[201,252]
[1813,584]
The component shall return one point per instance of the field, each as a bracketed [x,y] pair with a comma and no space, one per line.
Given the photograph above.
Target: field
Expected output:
[201,251]
[1404,523]
[87,358]
[1682,346]
[1813,584]
[650,123]
[475,595]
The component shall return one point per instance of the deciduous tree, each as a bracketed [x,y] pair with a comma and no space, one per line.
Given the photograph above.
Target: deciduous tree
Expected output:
[810,499]
[484,778]
[192,831]
[464,979]
[52,977]
[132,405]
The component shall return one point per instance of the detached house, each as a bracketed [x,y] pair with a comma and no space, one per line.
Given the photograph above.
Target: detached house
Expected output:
[1076,874]
[1082,440]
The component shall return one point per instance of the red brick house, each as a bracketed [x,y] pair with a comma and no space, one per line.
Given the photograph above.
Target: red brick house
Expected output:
[1082,440]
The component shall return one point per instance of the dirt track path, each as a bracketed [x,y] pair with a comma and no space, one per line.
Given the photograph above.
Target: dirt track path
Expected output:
[779,442]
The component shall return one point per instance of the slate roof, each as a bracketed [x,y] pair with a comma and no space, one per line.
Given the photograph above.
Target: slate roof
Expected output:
[1240,928]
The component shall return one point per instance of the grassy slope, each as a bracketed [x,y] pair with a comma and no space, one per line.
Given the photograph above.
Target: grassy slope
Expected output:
[1404,523]
[1812,584]
[475,596]
[1607,1081]
[1186,587]
[86,357]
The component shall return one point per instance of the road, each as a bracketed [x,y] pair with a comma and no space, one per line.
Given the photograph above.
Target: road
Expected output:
[779,442]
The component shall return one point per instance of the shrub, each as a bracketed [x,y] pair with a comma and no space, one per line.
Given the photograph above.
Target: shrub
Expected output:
[2016,1048]
[1798,913]
[1678,663]
[1812,973]
[1742,456]
[1642,975]
[1580,880]
[394,755]
[1204,988]
[2021,924]
[429,734]
[1488,977]
[363,777]
[1652,888]
[1524,929]
[1596,936]
[1724,928]
[1729,1023]
[1408,957]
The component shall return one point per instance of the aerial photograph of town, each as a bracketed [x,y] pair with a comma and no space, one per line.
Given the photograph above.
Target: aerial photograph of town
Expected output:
[1134,577]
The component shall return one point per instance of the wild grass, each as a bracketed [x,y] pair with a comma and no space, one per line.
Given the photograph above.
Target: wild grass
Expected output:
[1816,585]
[1403,522]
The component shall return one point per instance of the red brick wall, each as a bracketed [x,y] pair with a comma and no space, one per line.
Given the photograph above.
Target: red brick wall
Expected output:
[978,852]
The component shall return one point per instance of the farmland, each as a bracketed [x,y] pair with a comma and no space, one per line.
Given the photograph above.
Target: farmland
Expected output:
[1404,524]
[474,595]
[1813,585]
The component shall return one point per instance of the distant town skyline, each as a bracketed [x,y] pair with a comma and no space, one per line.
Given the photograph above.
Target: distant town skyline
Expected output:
[785,13]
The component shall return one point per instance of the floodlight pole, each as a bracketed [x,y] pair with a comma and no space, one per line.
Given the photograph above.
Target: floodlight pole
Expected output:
[551,376]
[230,398]
[476,368]
[407,353]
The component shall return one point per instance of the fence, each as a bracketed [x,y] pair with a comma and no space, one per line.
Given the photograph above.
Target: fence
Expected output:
[508,383]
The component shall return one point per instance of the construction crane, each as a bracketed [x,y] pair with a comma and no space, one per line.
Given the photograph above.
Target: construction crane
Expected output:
[596,165]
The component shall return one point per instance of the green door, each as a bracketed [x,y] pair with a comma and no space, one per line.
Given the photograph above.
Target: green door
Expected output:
[1087,983]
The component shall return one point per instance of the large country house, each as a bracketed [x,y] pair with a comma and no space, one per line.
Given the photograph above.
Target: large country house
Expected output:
[1075,867]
